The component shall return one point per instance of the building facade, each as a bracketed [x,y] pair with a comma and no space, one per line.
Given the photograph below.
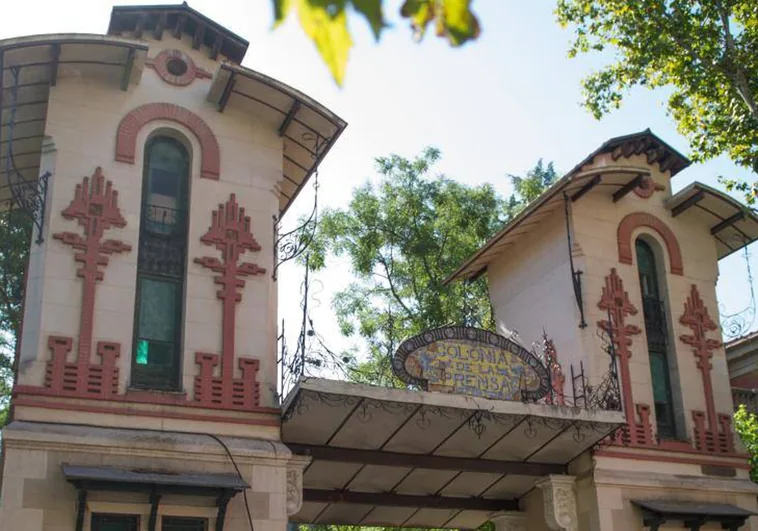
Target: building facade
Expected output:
[644,264]
[150,308]
[156,169]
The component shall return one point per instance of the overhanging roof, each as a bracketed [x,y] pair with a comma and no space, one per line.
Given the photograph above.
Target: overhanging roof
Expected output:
[307,128]
[575,183]
[691,513]
[178,20]
[731,223]
[105,478]
[396,457]
[30,66]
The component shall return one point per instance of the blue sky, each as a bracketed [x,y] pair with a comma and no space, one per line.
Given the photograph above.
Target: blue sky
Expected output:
[493,107]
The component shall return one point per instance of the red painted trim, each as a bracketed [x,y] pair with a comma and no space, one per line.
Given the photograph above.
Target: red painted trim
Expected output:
[643,219]
[615,301]
[23,401]
[160,64]
[95,208]
[133,396]
[673,459]
[126,139]
[696,317]
[647,187]
[230,234]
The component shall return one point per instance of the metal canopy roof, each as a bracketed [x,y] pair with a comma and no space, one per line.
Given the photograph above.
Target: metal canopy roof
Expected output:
[308,129]
[731,223]
[29,66]
[693,514]
[117,478]
[395,457]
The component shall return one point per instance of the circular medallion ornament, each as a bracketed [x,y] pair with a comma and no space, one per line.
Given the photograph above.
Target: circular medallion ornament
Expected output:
[471,361]
[175,67]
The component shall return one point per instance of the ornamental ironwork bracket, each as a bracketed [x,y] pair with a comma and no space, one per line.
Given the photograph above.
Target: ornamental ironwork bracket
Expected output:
[576,274]
[30,197]
[294,243]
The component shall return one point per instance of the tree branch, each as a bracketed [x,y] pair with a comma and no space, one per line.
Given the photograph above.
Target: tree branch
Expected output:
[733,69]
[397,298]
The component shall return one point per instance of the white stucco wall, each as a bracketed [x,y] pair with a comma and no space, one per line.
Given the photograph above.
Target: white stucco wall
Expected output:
[83,117]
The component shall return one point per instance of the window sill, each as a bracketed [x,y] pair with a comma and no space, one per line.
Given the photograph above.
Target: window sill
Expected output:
[156,396]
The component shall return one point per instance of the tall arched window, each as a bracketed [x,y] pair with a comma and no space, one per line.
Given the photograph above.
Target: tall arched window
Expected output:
[656,330]
[156,360]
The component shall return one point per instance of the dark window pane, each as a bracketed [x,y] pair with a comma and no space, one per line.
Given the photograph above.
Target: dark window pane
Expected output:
[114,522]
[157,310]
[656,331]
[161,265]
[176,523]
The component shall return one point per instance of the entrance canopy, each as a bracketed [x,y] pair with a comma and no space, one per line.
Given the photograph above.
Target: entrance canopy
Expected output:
[396,457]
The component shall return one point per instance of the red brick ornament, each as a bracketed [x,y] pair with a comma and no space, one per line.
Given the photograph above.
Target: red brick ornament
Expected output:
[230,234]
[95,207]
[643,219]
[136,119]
[162,67]
[615,300]
[648,187]
[708,436]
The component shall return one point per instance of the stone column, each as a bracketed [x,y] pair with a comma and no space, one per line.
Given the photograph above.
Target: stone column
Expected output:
[559,499]
[509,521]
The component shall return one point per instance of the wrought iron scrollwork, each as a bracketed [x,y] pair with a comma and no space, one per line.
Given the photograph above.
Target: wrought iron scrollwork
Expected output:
[294,243]
[311,356]
[28,196]
[737,324]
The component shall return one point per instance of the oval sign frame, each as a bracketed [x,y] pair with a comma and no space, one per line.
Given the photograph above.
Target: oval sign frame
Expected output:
[475,335]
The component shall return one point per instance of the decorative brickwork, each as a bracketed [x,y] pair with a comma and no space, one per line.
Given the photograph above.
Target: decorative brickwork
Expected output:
[642,219]
[229,233]
[709,434]
[615,301]
[169,64]
[95,207]
[126,139]
[647,187]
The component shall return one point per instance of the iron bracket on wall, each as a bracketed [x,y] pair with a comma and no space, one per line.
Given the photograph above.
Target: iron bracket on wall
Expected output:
[576,274]
[294,243]
[29,196]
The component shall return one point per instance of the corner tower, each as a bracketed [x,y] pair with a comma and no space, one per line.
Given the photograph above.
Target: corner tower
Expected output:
[153,164]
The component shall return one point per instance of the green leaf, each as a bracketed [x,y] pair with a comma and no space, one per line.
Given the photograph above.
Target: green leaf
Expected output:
[453,18]
[421,13]
[281,10]
[460,24]
[325,22]
[372,10]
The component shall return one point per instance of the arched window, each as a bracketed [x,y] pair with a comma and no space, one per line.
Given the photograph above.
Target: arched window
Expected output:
[156,360]
[656,330]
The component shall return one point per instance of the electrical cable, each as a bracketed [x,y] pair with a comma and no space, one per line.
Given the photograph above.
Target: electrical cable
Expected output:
[244,492]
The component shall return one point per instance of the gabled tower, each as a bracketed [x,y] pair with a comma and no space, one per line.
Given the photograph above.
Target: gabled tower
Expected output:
[150,306]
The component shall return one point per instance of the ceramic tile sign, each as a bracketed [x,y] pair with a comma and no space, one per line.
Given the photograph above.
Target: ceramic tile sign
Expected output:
[471,361]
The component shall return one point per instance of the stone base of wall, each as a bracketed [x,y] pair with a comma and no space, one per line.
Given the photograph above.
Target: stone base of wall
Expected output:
[36,497]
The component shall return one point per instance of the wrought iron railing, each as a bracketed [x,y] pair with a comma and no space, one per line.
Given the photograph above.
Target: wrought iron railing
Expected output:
[163,241]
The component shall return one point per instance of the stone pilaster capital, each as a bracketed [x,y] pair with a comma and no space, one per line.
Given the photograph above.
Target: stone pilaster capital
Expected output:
[559,498]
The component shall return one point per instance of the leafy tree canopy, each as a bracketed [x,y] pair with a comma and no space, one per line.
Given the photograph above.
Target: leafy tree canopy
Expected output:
[403,236]
[746,425]
[15,235]
[704,52]
[326,23]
